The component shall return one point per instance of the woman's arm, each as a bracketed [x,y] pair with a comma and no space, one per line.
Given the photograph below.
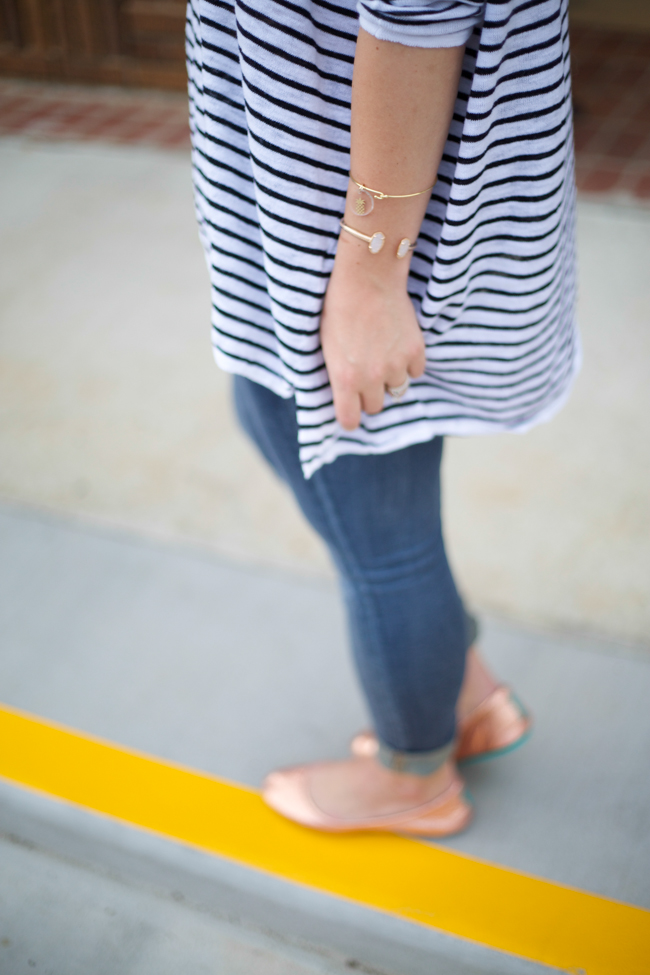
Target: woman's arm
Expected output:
[402,104]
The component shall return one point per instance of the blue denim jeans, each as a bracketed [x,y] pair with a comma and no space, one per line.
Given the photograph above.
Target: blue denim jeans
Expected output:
[380,518]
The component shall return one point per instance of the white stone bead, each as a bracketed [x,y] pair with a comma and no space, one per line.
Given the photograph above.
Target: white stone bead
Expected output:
[376,242]
[403,247]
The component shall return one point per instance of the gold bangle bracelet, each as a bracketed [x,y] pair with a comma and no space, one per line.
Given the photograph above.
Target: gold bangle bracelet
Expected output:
[361,207]
[377,240]
[379,195]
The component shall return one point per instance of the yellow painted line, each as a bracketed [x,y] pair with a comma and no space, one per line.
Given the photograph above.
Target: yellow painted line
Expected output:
[545,922]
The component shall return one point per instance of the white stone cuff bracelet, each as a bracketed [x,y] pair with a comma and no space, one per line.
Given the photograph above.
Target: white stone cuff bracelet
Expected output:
[377,240]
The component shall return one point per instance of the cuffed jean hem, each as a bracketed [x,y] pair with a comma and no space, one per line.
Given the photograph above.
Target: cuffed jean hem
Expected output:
[415,763]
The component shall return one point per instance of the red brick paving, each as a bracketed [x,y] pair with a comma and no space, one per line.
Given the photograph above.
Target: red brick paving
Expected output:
[53,111]
[611,87]
[600,180]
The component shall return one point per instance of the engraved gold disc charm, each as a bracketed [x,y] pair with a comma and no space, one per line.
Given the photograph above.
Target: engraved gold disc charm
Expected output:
[363,204]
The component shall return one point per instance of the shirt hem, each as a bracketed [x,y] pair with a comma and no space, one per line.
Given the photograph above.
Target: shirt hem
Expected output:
[426,429]
[255,373]
[456,38]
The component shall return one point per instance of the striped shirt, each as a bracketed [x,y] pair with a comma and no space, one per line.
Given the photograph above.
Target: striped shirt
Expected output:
[492,276]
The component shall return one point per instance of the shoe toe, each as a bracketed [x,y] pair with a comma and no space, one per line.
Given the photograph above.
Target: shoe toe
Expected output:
[287,792]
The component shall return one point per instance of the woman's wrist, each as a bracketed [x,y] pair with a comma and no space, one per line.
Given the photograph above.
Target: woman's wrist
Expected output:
[383,238]
[355,260]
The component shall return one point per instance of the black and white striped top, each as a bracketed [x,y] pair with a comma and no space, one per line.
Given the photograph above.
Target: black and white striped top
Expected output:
[492,276]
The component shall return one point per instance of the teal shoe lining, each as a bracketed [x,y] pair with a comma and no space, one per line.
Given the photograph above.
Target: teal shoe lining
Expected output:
[497,752]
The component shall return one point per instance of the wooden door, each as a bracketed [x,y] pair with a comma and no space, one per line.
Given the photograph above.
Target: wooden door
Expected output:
[132,42]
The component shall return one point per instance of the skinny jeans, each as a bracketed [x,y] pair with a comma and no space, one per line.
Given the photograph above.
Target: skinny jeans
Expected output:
[379,515]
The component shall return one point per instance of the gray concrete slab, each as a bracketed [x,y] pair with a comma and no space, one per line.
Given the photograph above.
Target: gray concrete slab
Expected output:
[220,667]
[59,918]
[172,652]
[347,934]
[112,410]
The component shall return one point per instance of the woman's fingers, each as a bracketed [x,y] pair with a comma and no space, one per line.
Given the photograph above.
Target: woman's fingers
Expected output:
[372,398]
[353,398]
[347,407]
[417,363]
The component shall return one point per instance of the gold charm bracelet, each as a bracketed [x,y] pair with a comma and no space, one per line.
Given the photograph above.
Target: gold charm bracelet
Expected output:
[361,207]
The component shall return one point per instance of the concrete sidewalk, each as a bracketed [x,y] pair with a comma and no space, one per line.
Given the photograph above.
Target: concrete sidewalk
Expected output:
[61,918]
[113,411]
[135,516]
[217,666]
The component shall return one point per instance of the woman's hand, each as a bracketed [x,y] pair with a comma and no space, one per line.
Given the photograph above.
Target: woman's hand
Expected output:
[369,333]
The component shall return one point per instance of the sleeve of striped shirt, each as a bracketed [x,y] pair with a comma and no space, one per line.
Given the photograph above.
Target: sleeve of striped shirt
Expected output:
[418,23]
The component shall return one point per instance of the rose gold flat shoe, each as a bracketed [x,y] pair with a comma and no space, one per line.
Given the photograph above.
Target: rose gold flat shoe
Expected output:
[288,792]
[498,725]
